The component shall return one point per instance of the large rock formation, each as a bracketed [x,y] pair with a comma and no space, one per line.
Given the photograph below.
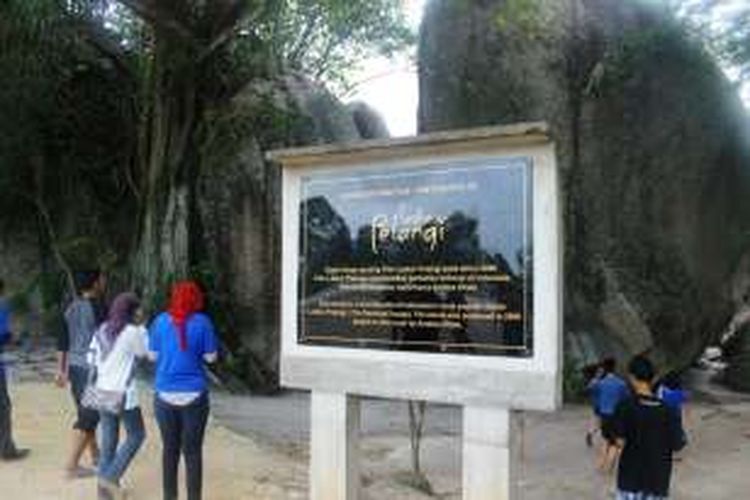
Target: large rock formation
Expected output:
[239,204]
[651,141]
[737,353]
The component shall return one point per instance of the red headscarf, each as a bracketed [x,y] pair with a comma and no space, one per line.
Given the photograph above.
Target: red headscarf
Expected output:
[187,298]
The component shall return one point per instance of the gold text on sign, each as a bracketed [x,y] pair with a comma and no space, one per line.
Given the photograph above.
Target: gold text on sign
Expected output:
[429,230]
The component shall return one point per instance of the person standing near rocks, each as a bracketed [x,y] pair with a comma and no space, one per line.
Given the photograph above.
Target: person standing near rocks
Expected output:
[593,374]
[606,394]
[116,345]
[181,340]
[8,450]
[82,318]
[670,391]
[647,433]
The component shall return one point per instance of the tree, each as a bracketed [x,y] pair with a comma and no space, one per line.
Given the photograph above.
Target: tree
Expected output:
[106,107]
[197,55]
[326,38]
[724,26]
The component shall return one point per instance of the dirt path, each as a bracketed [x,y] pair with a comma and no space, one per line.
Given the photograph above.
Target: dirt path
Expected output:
[235,467]
[556,464]
[256,448]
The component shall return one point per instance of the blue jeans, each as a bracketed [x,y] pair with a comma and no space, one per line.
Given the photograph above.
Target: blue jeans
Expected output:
[182,429]
[114,460]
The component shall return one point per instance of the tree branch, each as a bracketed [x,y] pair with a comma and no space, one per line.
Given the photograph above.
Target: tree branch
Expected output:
[224,25]
[296,53]
[46,220]
[98,37]
[52,235]
[155,13]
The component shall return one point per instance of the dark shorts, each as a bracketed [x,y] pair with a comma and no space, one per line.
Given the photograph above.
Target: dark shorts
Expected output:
[86,419]
[608,428]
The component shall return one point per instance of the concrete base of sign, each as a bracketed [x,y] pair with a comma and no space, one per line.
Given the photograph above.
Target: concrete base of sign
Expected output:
[490,445]
[334,446]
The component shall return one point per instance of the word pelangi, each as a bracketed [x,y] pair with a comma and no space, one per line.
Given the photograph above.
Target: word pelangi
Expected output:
[430,230]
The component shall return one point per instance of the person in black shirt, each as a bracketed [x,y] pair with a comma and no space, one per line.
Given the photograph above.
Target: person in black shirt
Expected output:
[647,432]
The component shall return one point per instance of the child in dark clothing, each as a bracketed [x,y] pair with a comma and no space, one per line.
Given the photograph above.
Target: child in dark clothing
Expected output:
[647,432]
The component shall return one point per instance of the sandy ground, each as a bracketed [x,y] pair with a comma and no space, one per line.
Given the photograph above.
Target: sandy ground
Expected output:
[556,464]
[235,467]
[256,448]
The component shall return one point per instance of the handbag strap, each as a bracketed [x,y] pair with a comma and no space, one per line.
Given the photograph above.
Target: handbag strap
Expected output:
[91,377]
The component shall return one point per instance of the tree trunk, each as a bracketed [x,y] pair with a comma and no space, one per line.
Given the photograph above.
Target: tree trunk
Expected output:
[162,252]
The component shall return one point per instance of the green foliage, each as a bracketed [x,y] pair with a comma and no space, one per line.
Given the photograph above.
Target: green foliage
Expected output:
[65,132]
[635,47]
[226,130]
[20,302]
[736,43]
[87,252]
[201,273]
[724,27]
[32,46]
[574,385]
[49,288]
[324,39]
[522,17]
[637,50]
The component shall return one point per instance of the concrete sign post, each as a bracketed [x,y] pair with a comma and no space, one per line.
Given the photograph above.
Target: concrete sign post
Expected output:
[426,268]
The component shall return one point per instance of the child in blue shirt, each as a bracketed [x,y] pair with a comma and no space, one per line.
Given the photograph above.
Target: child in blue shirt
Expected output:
[607,392]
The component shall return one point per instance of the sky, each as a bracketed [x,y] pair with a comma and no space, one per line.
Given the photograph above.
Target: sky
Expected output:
[392,88]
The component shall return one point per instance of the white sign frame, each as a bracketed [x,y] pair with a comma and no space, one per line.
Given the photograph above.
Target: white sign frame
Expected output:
[532,383]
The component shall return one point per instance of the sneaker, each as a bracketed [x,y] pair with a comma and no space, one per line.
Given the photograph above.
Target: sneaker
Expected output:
[112,489]
[16,455]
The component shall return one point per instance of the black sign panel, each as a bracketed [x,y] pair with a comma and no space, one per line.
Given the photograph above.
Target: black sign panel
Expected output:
[434,259]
